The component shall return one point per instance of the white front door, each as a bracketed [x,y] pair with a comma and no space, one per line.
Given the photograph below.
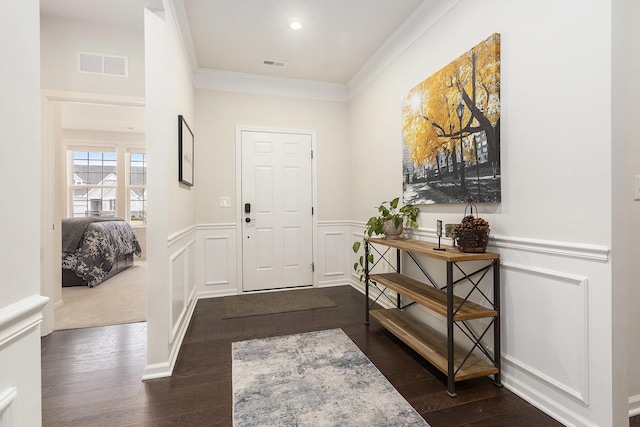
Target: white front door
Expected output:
[277,226]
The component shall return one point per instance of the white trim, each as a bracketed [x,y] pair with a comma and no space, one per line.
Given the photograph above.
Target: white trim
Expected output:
[549,247]
[175,237]
[220,226]
[184,32]
[20,318]
[583,251]
[421,20]
[93,98]
[173,328]
[216,282]
[158,370]
[582,282]
[268,85]
[544,402]
[634,405]
[335,223]
[6,413]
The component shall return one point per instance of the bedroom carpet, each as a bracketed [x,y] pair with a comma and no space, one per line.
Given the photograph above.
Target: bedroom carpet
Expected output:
[313,379]
[274,302]
[120,299]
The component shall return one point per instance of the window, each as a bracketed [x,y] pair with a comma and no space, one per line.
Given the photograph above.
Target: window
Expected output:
[138,188]
[96,184]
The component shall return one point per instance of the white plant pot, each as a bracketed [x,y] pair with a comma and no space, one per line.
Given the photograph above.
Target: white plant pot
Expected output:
[391,231]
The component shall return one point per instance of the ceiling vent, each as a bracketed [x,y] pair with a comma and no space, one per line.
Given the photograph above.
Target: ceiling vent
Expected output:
[102,64]
[271,63]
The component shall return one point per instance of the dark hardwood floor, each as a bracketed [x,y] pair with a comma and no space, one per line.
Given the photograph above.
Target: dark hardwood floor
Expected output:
[92,377]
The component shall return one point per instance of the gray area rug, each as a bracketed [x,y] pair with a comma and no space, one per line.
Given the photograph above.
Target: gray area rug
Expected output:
[313,379]
[274,302]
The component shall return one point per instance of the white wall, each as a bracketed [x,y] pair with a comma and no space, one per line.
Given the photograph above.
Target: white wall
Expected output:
[218,114]
[633,57]
[62,38]
[171,205]
[553,226]
[20,303]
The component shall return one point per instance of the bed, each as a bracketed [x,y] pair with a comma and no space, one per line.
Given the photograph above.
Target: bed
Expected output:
[95,249]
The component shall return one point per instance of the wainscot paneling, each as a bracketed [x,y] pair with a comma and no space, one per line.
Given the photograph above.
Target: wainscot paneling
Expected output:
[182,286]
[334,243]
[549,327]
[6,411]
[19,336]
[217,260]
[565,366]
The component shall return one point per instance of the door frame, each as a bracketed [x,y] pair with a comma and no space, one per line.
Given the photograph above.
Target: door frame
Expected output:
[51,206]
[239,216]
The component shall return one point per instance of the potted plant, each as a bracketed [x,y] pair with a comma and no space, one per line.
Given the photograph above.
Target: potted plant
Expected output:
[390,222]
[392,219]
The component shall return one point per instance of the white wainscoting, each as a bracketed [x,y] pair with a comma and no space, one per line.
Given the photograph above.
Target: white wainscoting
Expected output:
[217,260]
[19,336]
[182,287]
[333,266]
[6,411]
[549,296]
[218,263]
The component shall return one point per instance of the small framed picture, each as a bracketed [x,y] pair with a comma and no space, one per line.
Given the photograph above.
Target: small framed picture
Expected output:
[439,228]
[185,152]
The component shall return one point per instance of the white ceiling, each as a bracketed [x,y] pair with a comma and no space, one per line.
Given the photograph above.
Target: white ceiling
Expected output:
[338,37]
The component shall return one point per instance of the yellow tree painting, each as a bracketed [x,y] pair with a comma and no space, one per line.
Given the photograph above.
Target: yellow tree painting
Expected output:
[451,131]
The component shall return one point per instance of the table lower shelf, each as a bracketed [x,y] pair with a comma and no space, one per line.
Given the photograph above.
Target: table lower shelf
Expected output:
[432,345]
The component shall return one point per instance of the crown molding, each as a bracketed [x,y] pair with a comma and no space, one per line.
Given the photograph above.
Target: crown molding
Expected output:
[269,85]
[425,16]
[418,23]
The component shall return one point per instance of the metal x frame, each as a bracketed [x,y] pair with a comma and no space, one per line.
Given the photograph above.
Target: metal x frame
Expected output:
[463,326]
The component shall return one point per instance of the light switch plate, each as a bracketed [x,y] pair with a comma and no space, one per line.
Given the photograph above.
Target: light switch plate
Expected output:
[636,187]
[225,202]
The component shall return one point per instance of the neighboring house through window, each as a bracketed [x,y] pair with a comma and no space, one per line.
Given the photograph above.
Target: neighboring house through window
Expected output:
[94,187]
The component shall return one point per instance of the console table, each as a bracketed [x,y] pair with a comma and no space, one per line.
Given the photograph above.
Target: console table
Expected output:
[440,349]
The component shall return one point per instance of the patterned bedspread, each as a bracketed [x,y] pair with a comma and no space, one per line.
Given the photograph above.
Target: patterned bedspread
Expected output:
[103,243]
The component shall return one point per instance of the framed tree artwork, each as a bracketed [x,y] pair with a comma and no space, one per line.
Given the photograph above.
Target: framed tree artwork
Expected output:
[185,152]
[451,131]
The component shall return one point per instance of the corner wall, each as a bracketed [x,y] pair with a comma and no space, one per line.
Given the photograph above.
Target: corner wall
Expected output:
[632,56]
[553,226]
[20,302]
[171,230]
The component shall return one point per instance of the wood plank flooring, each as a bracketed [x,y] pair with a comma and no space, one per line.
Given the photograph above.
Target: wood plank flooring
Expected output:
[92,377]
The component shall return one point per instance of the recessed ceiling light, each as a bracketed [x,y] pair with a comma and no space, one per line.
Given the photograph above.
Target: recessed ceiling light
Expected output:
[295,23]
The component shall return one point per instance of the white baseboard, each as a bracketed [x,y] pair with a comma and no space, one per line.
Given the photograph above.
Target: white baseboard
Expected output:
[634,405]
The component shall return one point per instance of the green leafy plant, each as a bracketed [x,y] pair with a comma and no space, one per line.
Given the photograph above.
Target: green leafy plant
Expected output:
[407,216]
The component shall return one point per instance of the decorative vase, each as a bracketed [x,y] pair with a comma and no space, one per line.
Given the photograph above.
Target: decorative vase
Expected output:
[391,231]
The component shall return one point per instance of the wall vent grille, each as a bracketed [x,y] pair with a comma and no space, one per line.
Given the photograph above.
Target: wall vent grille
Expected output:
[272,63]
[102,64]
